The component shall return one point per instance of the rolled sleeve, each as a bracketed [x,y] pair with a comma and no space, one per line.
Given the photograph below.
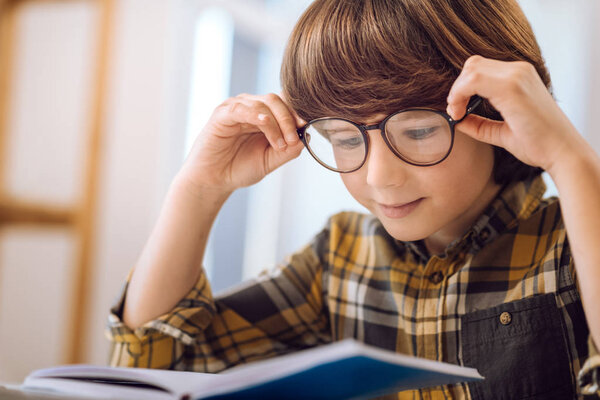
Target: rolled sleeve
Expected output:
[589,375]
[180,326]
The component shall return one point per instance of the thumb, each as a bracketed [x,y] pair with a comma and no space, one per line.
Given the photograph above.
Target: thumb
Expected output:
[483,129]
[278,158]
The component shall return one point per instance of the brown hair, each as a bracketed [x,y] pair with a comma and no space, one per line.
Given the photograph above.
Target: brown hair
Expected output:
[358,58]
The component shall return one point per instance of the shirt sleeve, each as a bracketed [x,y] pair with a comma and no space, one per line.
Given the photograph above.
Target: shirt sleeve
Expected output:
[588,378]
[280,311]
[589,375]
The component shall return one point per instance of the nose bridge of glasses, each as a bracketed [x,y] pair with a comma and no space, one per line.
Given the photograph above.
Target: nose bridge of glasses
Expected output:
[381,127]
[378,143]
[371,127]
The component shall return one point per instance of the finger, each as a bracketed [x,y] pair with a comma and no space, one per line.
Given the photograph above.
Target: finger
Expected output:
[483,129]
[284,117]
[267,123]
[479,76]
[461,90]
[278,158]
[246,111]
[299,121]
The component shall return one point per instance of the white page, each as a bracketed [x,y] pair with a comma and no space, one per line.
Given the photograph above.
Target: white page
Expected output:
[79,389]
[176,382]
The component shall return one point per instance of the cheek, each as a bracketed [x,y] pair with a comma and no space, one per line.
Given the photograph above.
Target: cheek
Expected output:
[357,187]
[355,184]
[464,174]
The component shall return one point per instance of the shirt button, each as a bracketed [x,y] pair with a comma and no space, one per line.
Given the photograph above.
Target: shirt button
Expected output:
[485,234]
[505,318]
[436,277]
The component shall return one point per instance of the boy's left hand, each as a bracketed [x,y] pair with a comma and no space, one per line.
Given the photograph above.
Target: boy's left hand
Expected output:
[535,130]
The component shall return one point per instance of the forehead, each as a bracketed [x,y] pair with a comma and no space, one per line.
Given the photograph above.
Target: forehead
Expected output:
[341,123]
[374,119]
[417,116]
[378,117]
[335,121]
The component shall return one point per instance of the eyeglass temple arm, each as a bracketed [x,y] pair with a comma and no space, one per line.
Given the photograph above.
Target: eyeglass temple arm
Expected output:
[474,103]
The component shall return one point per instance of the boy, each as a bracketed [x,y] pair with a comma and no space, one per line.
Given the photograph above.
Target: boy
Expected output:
[461,260]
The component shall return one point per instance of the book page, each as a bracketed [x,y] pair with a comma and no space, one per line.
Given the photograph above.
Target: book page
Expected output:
[171,382]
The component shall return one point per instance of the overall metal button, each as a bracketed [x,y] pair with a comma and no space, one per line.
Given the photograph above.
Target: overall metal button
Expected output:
[505,318]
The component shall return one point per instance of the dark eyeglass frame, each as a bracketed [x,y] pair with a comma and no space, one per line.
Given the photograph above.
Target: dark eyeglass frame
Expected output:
[474,102]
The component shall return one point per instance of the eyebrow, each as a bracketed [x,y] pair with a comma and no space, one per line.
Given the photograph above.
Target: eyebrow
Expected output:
[430,118]
[331,131]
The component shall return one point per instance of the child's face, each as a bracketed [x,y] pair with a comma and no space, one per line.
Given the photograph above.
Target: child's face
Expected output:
[450,195]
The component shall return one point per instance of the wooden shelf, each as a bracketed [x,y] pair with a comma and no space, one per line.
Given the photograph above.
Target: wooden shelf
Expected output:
[22,212]
[81,216]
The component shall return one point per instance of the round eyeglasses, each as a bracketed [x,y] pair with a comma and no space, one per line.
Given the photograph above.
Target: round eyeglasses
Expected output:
[418,136]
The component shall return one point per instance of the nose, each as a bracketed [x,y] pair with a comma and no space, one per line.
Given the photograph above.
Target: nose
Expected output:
[383,167]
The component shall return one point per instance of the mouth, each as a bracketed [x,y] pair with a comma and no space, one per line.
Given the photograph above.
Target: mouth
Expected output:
[399,210]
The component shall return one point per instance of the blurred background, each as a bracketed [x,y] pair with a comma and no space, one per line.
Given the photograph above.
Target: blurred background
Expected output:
[99,103]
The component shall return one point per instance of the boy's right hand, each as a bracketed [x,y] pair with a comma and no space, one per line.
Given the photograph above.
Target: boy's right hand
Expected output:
[245,138]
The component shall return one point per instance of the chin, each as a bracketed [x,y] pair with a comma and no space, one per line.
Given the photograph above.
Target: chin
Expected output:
[405,231]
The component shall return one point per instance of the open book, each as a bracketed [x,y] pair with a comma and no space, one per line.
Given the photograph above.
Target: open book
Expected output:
[342,370]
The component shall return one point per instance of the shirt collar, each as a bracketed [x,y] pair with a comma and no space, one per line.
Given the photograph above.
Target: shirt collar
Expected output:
[516,201]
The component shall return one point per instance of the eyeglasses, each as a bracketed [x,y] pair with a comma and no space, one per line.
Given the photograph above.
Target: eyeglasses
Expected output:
[418,136]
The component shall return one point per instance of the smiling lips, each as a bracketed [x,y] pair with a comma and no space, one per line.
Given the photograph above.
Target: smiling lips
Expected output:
[401,210]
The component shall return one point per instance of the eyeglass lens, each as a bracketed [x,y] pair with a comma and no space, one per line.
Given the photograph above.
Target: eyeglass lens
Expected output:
[418,136]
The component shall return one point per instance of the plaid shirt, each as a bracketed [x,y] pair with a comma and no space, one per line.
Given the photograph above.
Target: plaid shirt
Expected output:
[503,299]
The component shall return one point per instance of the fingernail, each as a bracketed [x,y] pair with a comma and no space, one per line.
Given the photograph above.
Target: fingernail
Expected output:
[449,110]
[281,143]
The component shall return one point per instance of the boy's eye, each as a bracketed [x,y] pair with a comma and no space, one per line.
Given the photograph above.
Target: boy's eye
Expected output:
[346,143]
[421,133]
